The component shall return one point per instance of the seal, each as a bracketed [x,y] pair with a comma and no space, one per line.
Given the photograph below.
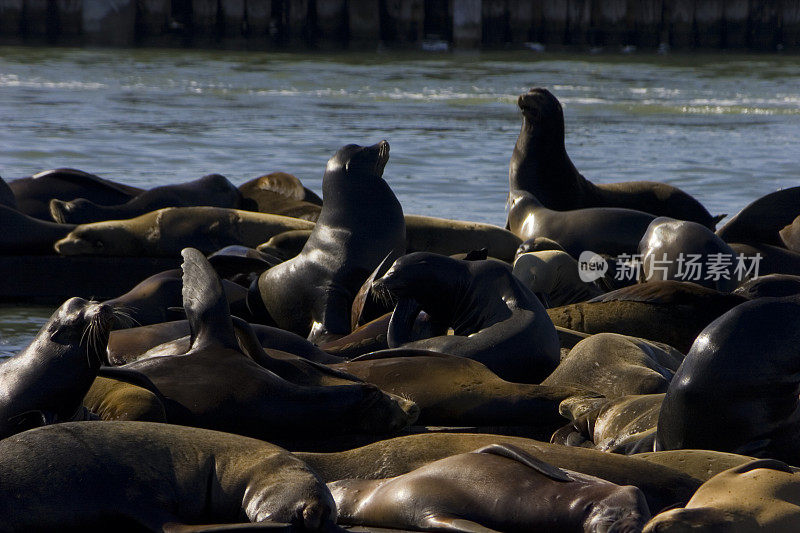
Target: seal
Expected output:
[670,312]
[729,396]
[499,487]
[25,235]
[164,233]
[360,223]
[604,230]
[216,386]
[280,193]
[761,220]
[212,190]
[46,382]
[688,251]
[34,193]
[496,320]
[145,476]
[553,275]
[540,165]
[762,495]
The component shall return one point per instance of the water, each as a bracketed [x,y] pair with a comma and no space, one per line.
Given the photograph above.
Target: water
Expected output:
[725,128]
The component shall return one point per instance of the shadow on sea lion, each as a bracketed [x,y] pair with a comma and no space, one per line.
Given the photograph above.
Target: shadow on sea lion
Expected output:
[360,223]
[496,320]
[217,386]
[761,220]
[26,235]
[495,488]
[541,166]
[737,389]
[33,194]
[141,476]
[280,193]
[670,312]
[164,233]
[212,190]
[45,382]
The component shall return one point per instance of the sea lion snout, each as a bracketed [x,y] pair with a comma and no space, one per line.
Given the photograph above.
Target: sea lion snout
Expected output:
[538,101]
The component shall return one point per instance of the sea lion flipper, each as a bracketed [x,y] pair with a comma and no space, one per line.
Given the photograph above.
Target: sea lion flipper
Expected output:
[205,303]
[771,464]
[448,523]
[512,452]
[274,527]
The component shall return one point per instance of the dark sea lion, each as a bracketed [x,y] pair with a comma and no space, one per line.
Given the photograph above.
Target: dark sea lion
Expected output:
[688,251]
[790,235]
[541,166]
[242,264]
[496,320]
[7,197]
[34,193]
[538,244]
[499,487]
[769,286]
[26,235]
[456,391]
[280,193]
[45,382]
[216,386]
[616,365]
[671,312]
[761,495]
[604,230]
[140,476]
[164,233]
[554,275]
[771,259]
[732,397]
[761,220]
[662,486]
[360,223]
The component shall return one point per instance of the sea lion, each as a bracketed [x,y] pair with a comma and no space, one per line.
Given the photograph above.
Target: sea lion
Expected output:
[280,193]
[25,235]
[287,244]
[212,190]
[141,476]
[541,166]
[496,320]
[554,276]
[762,495]
[33,194]
[688,251]
[45,382]
[360,223]
[216,386]
[761,220]
[769,286]
[732,397]
[700,464]
[790,235]
[767,259]
[616,365]
[448,237]
[115,400]
[456,391]
[604,230]
[662,486]
[670,312]
[499,487]
[164,233]
[7,197]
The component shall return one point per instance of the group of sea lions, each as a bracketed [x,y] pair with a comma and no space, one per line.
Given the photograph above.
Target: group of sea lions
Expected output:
[329,364]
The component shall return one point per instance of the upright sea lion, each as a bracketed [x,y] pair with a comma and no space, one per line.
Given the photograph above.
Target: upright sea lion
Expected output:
[46,382]
[164,233]
[761,220]
[688,251]
[496,320]
[499,487]
[603,230]
[26,235]
[141,476]
[280,193]
[541,166]
[212,190]
[762,495]
[737,389]
[360,223]
[216,386]
[554,274]
[34,193]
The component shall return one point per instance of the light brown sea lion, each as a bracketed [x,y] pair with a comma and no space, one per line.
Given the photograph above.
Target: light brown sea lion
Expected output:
[449,237]
[213,190]
[140,476]
[790,235]
[164,233]
[280,193]
[115,400]
[700,464]
[541,166]
[495,488]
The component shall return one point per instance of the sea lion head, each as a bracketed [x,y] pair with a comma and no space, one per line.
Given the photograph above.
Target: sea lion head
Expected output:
[79,322]
[542,111]
[359,160]
[99,238]
[77,211]
[374,411]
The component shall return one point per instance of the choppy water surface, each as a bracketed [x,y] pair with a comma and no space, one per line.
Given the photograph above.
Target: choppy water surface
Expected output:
[724,127]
